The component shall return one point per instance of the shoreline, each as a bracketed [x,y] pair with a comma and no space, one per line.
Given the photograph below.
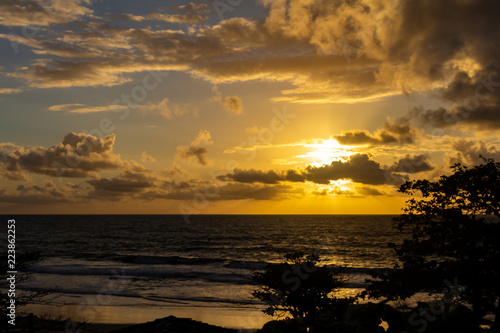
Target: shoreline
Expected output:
[174,324]
[242,319]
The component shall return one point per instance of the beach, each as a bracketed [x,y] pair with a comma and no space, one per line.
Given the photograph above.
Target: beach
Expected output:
[113,317]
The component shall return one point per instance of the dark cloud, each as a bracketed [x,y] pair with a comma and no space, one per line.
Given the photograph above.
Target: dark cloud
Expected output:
[57,73]
[233,104]
[472,153]
[476,99]
[435,32]
[79,155]
[294,176]
[46,194]
[391,133]
[195,149]
[30,199]
[256,192]
[230,191]
[254,176]
[359,168]
[200,153]
[119,185]
[358,137]
[368,191]
[133,178]
[412,164]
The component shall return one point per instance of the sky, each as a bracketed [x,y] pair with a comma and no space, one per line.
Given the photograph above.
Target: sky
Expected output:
[240,106]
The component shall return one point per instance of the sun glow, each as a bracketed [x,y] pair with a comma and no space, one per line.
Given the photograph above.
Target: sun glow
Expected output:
[340,187]
[327,151]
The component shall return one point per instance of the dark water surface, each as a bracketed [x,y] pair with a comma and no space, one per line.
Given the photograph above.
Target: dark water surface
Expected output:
[164,259]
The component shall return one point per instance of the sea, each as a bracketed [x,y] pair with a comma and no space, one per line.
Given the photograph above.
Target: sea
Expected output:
[168,261]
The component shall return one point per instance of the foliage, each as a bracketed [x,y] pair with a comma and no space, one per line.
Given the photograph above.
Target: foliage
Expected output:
[454,231]
[368,318]
[23,261]
[300,287]
[360,318]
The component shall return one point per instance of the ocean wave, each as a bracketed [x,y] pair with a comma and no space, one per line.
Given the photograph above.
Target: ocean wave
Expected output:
[168,260]
[134,272]
[188,261]
[219,271]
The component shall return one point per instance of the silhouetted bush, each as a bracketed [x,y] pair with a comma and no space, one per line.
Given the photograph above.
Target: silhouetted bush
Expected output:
[300,287]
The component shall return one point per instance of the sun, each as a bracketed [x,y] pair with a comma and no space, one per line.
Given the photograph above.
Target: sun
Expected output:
[327,151]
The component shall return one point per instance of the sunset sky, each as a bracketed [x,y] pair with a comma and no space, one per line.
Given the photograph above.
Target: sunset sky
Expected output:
[239,106]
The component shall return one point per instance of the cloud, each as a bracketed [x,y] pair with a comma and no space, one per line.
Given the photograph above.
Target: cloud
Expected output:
[412,164]
[187,18]
[129,17]
[167,109]
[42,13]
[369,191]
[190,7]
[391,133]
[147,158]
[52,73]
[255,192]
[360,168]
[356,192]
[8,167]
[324,192]
[362,50]
[185,152]
[82,108]
[65,107]
[232,104]
[164,108]
[78,155]
[118,185]
[46,194]
[195,149]
[133,178]
[254,176]
[329,51]
[470,152]
[230,191]
[10,90]
[477,103]
[191,13]
[72,46]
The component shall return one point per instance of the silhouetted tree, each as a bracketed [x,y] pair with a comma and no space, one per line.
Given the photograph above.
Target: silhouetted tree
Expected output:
[301,287]
[454,235]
